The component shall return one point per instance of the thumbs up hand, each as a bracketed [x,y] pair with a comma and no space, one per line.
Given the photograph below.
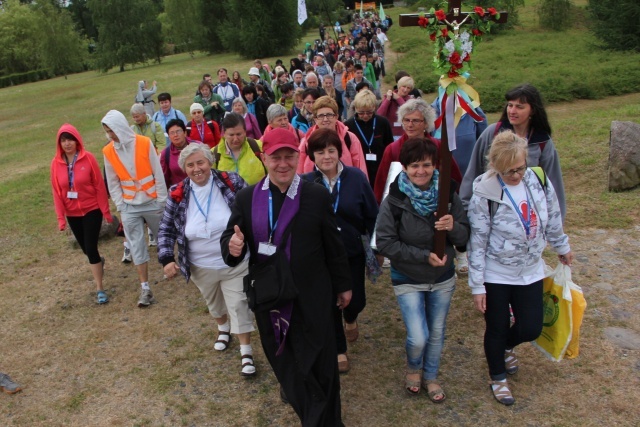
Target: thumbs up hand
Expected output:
[237,242]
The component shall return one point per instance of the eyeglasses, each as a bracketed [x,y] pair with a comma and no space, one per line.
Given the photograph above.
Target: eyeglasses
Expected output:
[412,121]
[197,112]
[308,102]
[176,132]
[520,171]
[327,116]
[365,113]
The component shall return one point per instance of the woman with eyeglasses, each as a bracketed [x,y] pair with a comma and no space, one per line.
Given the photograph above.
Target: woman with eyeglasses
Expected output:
[373,130]
[178,141]
[524,114]
[325,115]
[513,213]
[416,117]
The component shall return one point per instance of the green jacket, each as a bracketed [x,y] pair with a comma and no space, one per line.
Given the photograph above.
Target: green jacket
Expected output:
[153,131]
[210,112]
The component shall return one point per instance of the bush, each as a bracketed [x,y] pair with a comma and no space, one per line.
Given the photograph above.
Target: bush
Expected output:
[615,23]
[28,77]
[554,14]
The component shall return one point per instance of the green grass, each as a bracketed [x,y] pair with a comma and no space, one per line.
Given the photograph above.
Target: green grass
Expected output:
[563,65]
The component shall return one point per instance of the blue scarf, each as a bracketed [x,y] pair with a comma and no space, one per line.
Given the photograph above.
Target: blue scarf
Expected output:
[424,202]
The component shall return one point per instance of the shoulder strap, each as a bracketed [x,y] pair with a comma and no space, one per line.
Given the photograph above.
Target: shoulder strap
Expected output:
[347,140]
[256,150]
[154,127]
[497,129]
[224,176]
[542,177]
[210,123]
[216,154]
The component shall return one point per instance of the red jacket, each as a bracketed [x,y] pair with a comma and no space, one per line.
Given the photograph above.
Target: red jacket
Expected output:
[392,154]
[211,138]
[87,182]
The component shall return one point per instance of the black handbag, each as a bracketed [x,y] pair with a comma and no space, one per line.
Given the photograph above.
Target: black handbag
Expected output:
[269,283]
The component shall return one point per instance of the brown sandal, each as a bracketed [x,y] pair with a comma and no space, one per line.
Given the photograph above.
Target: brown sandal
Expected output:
[502,393]
[409,384]
[221,340]
[433,393]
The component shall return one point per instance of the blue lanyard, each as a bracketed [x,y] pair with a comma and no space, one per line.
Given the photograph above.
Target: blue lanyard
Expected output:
[70,169]
[526,223]
[373,133]
[201,132]
[335,204]
[272,226]
[205,215]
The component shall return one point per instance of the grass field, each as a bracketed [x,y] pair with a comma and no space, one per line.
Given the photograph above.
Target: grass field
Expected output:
[84,365]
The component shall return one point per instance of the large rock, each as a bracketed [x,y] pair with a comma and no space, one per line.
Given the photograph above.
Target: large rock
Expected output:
[624,156]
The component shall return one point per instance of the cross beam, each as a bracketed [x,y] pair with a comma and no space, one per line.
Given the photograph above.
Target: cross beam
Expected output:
[453,14]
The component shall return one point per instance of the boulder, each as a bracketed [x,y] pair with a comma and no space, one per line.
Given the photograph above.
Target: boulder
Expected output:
[624,156]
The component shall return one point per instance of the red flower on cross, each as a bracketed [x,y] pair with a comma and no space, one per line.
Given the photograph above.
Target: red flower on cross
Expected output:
[440,15]
[422,21]
[492,11]
[479,10]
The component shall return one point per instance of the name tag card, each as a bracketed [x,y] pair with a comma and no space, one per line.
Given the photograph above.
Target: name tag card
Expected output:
[72,194]
[371,157]
[265,248]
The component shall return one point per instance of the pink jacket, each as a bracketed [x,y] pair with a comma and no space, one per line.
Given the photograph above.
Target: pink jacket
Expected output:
[353,156]
[389,109]
[87,182]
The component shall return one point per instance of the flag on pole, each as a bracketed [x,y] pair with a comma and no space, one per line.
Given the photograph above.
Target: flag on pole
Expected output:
[361,15]
[302,11]
[381,14]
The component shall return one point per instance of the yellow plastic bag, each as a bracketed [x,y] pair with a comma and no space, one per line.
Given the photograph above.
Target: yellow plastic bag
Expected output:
[578,306]
[557,326]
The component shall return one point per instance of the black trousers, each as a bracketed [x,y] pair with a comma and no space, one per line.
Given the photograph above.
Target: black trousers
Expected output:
[526,302]
[357,304]
[86,230]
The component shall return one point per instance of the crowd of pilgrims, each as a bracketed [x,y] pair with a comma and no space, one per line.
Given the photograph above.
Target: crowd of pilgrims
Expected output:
[371,157]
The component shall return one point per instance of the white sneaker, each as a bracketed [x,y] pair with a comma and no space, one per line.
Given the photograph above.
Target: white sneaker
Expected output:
[462,264]
[386,263]
[126,257]
[152,239]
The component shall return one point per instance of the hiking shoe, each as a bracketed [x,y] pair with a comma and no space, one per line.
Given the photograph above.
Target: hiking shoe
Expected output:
[152,239]
[7,384]
[146,298]
[126,257]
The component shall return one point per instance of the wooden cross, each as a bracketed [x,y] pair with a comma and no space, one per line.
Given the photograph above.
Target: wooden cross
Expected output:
[455,18]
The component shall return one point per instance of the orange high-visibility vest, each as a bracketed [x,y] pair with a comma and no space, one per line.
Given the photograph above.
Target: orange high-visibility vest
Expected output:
[144,181]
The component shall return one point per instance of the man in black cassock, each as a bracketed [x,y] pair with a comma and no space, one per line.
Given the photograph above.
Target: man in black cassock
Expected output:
[298,338]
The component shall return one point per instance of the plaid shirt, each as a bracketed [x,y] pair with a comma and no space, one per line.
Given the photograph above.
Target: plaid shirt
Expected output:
[174,220]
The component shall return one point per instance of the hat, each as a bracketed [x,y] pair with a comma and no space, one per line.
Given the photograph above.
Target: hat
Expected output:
[195,107]
[321,54]
[279,138]
[296,72]
[253,71]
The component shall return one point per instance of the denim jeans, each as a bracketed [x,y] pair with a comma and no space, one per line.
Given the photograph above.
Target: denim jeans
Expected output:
[425,313]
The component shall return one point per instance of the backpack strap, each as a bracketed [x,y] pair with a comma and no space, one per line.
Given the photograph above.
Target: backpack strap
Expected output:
[542,177]
[347,140]
[256,150]
[210,124]
[224,177]
[216,155]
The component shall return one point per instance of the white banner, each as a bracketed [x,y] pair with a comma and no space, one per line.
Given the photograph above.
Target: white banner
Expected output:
[302,11]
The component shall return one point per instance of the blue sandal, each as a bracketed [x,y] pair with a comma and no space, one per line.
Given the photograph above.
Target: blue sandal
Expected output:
[102,297]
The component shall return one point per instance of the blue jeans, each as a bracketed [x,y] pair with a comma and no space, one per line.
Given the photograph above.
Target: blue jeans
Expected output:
[425,314]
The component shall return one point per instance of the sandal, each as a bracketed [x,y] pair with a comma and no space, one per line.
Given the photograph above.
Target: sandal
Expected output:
[351,334]
[510,361]
[102,297]
[462,263]
[433,393]
[221,340]
[343,363]
[248,368]
[409,384]
[501,392]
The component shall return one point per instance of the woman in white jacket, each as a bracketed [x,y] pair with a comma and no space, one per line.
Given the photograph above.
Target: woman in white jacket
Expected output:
[514,211]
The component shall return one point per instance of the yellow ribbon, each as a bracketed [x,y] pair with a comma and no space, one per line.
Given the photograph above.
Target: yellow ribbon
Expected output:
[462,85]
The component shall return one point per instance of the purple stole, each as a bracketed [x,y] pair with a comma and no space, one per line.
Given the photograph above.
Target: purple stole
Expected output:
[281,316]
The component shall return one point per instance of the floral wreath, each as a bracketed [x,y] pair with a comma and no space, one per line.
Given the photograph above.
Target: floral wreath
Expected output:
[453,58]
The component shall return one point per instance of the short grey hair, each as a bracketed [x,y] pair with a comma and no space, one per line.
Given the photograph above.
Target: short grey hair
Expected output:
[274,111]
[194,148]
[418,104]
[241,101]
[306,78]
[138,108]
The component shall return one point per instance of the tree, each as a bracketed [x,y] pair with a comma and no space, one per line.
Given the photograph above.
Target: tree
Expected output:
[256,29]
[20,38]
[128,32]
[179,21]
[554,14]
[83,19]
[63,50]
[615,23]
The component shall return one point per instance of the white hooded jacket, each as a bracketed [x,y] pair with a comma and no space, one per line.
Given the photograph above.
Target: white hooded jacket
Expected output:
[125,148]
